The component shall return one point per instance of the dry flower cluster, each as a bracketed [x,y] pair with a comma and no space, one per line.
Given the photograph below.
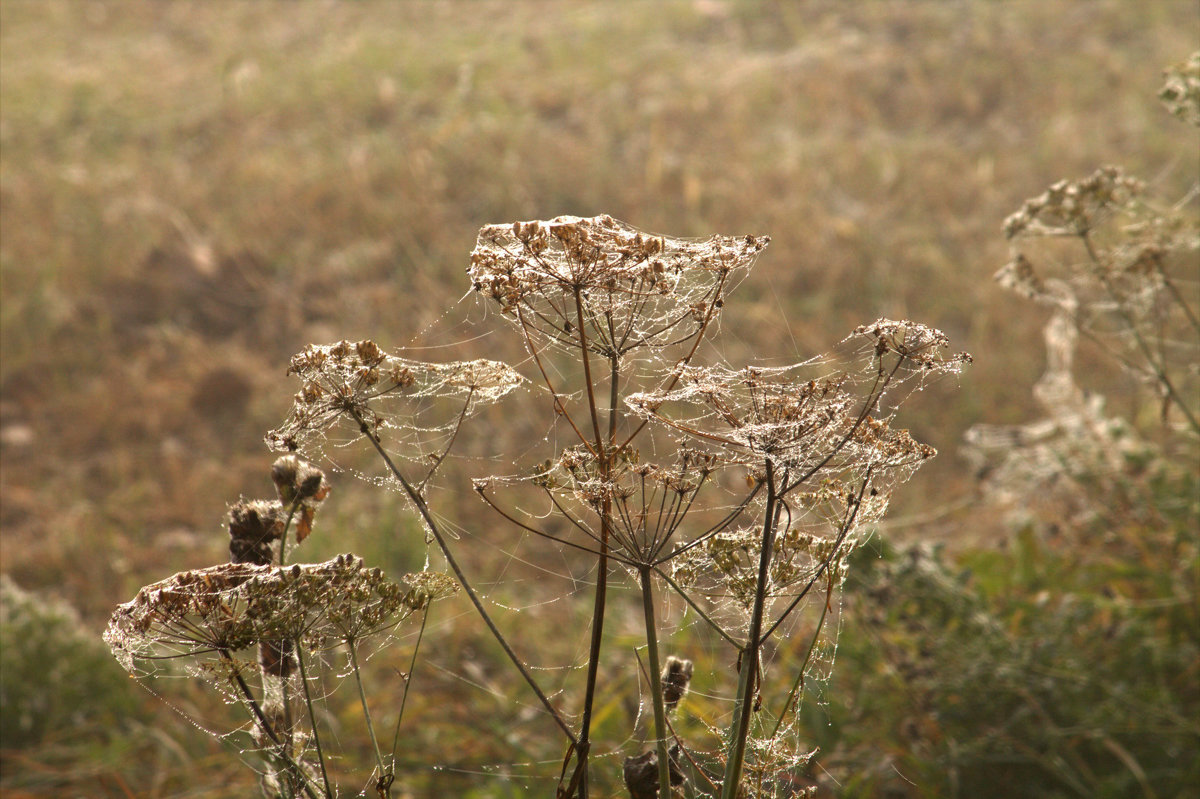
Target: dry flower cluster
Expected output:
[228,608]
[755,485]
[353,388]
[627,290]
[1181,90]
[1117,269]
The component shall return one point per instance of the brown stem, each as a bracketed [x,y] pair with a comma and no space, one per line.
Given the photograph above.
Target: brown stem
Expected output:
[266,727]
[1158,370]
[747,682]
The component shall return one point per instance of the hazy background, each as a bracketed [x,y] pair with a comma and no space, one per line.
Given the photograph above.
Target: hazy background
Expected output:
[191,192]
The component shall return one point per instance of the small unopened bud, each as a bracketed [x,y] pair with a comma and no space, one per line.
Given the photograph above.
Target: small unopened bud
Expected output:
[310,480]
[283,474]
[296,480]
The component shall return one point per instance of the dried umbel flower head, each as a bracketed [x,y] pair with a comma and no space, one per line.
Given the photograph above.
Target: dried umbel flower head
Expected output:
[909,346]
[223,609]
[1073,207]
[804,427]
[189,613]
[1181,90]
[361,389]
[600,283]
[759,412]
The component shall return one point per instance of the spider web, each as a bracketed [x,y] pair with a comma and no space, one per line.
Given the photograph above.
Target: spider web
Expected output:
[616,421]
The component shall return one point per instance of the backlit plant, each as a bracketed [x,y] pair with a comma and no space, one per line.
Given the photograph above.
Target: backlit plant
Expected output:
[736,493]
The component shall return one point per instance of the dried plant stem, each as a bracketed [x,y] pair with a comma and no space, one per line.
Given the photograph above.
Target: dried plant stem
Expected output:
[559,407]
[436,531]
[587,369]
[248,695]
[412,665]
[847,526]
[287,525]
[601,595]
[747,678]
[312,719]
[437,461]
[605,454]
[1179,298]
[1156,368]
[656,690]
[362,697]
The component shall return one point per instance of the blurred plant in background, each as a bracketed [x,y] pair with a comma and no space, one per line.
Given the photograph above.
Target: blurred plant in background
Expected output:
[1067,664]
[60,679]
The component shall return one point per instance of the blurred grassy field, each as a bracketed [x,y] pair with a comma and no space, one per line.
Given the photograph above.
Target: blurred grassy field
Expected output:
[190,192]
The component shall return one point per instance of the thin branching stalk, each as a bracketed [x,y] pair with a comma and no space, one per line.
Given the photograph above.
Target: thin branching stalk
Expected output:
[601,593]
[1156,368]
[312,719]
[287,525]
[549,536]
[432,526]
[288,720]
[825,564]
[412,665]
[1179,298]
[362,697]
[281,750]
[559,406]
[656,688]
[437,461]
[790,703]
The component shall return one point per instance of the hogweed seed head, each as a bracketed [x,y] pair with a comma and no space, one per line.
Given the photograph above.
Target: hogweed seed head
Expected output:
[637,291]
[1073,207]
[1181,90]
[647,503]
[766,413]
[360,388]
[223,609]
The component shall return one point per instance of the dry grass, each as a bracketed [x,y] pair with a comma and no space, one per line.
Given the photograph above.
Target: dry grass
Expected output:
[190,192]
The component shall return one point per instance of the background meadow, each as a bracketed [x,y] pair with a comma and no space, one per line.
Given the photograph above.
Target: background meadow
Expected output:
[192,192]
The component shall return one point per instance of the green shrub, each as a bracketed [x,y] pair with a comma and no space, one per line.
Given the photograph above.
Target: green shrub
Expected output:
[55,676]
[1043,668]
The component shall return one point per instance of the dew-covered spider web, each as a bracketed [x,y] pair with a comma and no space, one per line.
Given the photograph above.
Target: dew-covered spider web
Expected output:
[597,419]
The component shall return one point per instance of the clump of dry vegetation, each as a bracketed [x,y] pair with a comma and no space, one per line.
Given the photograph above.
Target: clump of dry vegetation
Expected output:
[743,491]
